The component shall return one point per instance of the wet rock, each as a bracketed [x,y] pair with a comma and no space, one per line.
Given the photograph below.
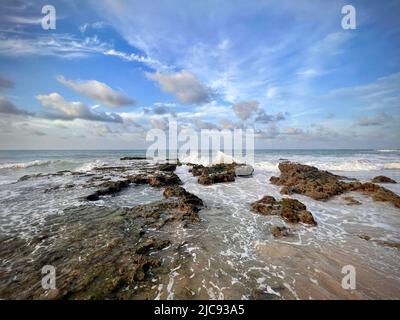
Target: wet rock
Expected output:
[279,232]
[322,185]
[184,196]
[108,188]
[160,179]
[244,171]
[383,179]
[378,193]
[167,167]
[351,201]
[308,180]
[148,244]
[267,206]
[291,210]
[98,252]
[218,173]
[208,179]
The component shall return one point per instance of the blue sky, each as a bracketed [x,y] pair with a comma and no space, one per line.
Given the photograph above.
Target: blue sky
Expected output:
[112,70]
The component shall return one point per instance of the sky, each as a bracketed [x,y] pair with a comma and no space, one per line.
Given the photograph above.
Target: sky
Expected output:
[112,70]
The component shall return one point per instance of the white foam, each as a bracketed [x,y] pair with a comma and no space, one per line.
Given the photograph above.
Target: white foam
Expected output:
[205,160]
[89,166]
[23,165]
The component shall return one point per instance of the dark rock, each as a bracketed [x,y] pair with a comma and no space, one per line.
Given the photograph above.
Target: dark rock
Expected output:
[160,179]
[308,180]
[98,251]
[108,187]
[383,179]
[291,210]
[183,195]
[208,179]
[167,167]
[322,185]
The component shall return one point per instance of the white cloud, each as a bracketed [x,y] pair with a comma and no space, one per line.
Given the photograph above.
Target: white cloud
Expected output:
[185,85]
[59,108]
[98,91]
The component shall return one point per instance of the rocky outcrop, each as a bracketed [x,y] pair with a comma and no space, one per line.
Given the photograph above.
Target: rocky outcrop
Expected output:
[158,179]
[187,201]
[377,193]
[208,179]
[322,185]
[167,167]
[218,173]
[108,188]
[383,179]
[308,180]
[100,252]
[291,210]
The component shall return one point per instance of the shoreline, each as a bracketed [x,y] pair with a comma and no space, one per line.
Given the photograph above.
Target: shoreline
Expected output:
[167,256]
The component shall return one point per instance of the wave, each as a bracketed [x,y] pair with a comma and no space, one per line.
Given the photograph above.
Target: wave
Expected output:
[388,150]
[23,165]
[89,166]
[350,165]
[205,160]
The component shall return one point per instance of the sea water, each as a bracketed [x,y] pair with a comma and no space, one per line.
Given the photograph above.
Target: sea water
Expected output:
[232,252]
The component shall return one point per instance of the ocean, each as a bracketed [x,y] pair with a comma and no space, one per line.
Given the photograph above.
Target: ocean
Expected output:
[231,250]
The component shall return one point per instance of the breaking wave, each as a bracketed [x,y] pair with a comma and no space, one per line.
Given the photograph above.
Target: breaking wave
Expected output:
[23,165]
[337,165]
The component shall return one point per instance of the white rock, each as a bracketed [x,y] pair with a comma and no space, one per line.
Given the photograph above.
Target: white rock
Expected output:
[246,170]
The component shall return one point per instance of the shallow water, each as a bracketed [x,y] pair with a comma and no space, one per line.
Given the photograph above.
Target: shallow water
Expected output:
[231,252]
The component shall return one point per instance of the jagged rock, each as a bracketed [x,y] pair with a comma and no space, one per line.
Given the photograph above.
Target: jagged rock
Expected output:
[351,201]
[378,193]
[244,171]
[267,206]
[291,210]
[217,173]
[156,179]
[322,185]
[108,187]
[308,180]
[182,194]
[99,253]
[279,232]
[208,179]
[383,179]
